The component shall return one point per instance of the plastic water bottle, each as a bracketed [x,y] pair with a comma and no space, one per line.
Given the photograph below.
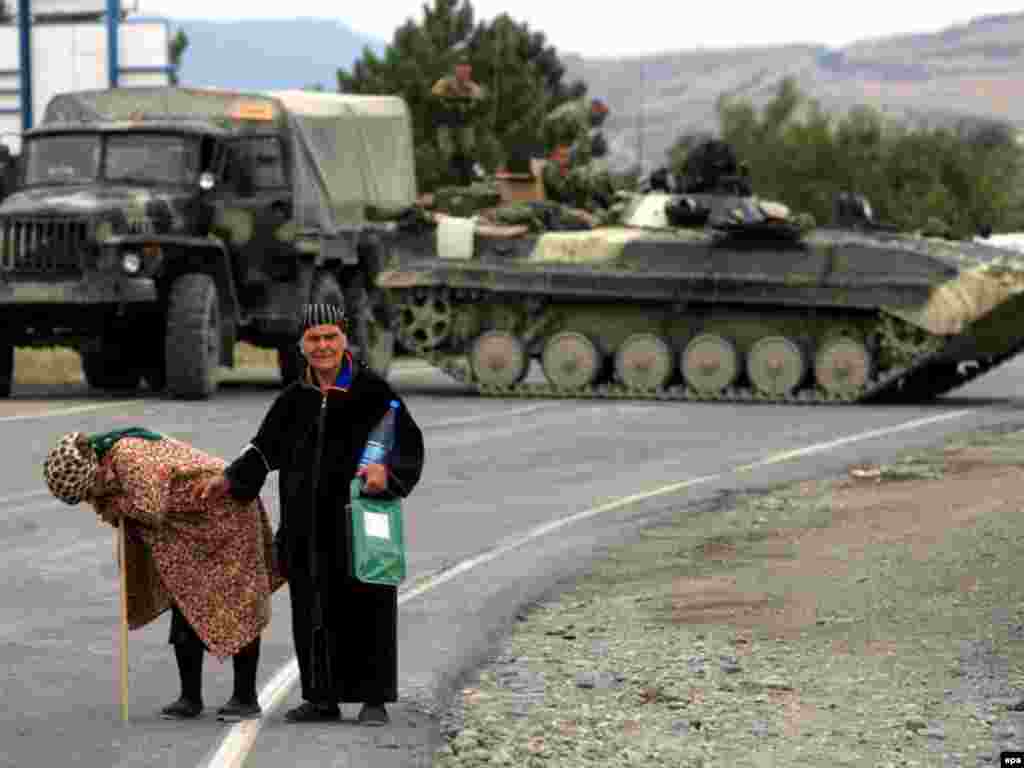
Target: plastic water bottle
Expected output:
[382,439]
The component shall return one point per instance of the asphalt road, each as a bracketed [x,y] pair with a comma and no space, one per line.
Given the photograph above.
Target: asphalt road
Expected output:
[516,496]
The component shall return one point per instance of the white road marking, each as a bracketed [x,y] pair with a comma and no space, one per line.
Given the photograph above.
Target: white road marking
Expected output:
[17,497]
[68,411]
[488,416]
[240,739]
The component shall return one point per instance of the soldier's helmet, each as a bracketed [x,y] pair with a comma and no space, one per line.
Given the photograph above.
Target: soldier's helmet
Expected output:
[708,165]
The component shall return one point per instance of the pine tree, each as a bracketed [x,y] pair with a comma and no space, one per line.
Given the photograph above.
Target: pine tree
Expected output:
[522,74]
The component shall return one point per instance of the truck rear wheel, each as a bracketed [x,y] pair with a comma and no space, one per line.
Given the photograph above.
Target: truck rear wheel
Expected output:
[6,368]
[107,365]
[289,362]
[192,343]
[374,342]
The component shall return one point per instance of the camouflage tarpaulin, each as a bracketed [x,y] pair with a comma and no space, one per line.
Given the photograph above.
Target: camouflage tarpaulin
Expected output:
[350,151]
[359,149]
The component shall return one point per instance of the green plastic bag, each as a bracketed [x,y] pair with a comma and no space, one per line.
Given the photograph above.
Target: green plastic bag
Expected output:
[378,543]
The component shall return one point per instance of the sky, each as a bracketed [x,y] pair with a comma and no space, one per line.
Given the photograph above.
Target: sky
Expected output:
[594,28]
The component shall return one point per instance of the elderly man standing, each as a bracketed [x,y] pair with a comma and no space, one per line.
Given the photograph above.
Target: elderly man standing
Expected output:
[345,631]
[211,564]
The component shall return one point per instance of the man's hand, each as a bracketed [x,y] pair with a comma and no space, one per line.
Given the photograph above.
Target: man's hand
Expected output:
[375,477]
[215,488]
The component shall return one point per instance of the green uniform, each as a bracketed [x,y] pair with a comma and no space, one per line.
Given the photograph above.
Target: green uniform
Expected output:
[460,105]
[585,183]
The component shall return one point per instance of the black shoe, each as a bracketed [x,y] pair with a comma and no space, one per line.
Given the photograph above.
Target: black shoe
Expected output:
[373,715]
[310,712]
[182,709]
[236,710]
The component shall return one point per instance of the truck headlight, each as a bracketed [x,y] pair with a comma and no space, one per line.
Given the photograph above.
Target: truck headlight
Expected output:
[131,262]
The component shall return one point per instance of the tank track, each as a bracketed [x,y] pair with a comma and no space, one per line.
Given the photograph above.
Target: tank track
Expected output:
[910,383]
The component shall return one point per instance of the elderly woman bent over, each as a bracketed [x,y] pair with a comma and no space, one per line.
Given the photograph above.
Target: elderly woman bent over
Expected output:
[210,563]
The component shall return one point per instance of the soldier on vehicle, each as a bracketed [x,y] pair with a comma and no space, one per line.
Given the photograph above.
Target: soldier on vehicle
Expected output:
[712,167]
[575,174]
[460,105]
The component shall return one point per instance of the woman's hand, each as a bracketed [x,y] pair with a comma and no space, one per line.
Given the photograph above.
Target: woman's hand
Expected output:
[215,488]
[106,510]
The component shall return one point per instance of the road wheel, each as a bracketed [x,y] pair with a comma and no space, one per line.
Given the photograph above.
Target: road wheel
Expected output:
[571,361]
[843,367]
[776,365]
[644,361]
[499,359]
[108,365]
[193,340]
[6,368]
[710,363]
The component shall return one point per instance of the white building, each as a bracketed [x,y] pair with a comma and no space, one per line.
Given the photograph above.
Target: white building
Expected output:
[68,49]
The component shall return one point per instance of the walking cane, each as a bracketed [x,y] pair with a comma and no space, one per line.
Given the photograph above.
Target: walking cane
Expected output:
[122,563]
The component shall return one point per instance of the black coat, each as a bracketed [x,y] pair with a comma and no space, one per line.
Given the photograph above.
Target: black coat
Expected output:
[361,619]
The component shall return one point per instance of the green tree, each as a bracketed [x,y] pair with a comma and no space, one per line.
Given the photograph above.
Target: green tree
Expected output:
[522,74]
[968,175]
[176,51]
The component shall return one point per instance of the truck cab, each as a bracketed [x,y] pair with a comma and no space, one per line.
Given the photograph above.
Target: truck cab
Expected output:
[153,241]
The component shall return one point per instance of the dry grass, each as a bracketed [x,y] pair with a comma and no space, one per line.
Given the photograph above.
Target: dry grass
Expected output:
[51,365]
[60,365]
[248,356]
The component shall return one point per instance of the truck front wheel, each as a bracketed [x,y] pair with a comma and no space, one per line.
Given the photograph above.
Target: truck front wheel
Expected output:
[192,343]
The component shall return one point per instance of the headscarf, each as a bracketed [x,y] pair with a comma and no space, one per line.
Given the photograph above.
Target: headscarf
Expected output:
[322,314]
[71,466]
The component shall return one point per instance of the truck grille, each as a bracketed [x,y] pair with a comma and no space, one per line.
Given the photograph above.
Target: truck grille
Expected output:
[43,246]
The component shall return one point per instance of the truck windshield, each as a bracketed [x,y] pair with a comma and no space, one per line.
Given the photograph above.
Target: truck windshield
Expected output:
[130,157]
[62,159]
[152,159]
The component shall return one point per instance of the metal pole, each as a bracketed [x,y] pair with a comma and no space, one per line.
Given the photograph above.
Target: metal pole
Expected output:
[641,123]
[113,22]
[122,564]
[25,62]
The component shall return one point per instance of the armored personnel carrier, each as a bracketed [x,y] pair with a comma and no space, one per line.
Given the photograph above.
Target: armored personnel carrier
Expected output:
[703,296]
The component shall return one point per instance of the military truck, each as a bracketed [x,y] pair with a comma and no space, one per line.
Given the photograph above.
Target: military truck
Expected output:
[153,228]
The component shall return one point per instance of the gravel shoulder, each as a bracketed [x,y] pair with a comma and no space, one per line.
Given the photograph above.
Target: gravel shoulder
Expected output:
[867,619]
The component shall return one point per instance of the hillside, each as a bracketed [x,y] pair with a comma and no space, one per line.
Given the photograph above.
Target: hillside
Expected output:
[976,69]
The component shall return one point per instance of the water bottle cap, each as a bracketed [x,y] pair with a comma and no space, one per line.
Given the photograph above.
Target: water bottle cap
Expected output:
[394,404]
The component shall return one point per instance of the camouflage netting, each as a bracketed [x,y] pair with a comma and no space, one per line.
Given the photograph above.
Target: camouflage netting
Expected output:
[352,152]
[483,201]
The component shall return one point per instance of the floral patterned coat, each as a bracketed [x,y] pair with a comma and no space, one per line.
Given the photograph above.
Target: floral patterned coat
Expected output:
[213,559]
